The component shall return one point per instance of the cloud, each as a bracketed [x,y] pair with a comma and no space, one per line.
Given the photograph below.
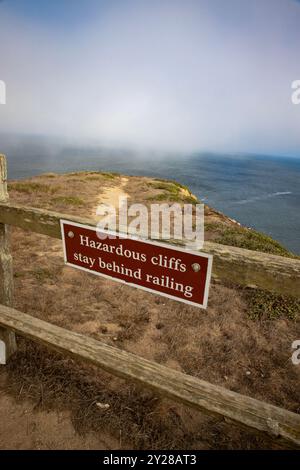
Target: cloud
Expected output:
[163,74]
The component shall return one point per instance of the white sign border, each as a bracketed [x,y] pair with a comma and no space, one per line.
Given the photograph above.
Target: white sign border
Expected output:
[148,242]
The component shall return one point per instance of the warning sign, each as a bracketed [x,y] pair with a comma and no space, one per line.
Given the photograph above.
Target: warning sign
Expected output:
[172,272]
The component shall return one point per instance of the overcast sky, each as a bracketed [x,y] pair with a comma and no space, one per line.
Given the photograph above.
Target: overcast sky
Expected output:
[182,75]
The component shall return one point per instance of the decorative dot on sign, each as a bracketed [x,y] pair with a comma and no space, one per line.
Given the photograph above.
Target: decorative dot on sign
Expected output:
[196,267]
[71,234]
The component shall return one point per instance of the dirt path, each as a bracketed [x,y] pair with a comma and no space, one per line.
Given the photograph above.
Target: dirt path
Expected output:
[111,196]
[22,427]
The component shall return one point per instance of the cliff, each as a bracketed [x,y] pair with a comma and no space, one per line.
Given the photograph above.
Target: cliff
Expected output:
[242,341]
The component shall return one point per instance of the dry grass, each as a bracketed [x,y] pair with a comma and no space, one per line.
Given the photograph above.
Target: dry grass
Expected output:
[68,200]
[53,382]
[32,188]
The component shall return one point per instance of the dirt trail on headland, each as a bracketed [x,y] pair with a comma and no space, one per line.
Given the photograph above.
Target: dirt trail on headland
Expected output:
[111,195]
[23,427]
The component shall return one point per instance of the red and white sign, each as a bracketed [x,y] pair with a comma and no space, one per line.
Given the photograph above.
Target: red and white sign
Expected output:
[172,272]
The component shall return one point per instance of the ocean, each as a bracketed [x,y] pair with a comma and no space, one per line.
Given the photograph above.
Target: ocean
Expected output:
[261,192]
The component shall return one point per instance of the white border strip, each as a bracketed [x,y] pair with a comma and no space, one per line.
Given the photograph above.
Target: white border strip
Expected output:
[148,242]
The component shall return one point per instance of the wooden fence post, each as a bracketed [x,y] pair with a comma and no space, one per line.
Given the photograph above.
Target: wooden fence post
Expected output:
[7,338]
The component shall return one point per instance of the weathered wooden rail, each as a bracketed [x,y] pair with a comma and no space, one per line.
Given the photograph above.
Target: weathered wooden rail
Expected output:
[281,424]
[241,266]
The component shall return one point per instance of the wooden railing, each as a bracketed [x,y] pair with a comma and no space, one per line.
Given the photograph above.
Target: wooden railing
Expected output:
[242,266]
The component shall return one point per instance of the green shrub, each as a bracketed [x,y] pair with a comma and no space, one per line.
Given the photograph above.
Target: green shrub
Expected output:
[251,240]
[271,306]
[173,192]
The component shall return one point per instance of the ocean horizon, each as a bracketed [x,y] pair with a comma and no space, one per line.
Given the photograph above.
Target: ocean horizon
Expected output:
[261,192]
